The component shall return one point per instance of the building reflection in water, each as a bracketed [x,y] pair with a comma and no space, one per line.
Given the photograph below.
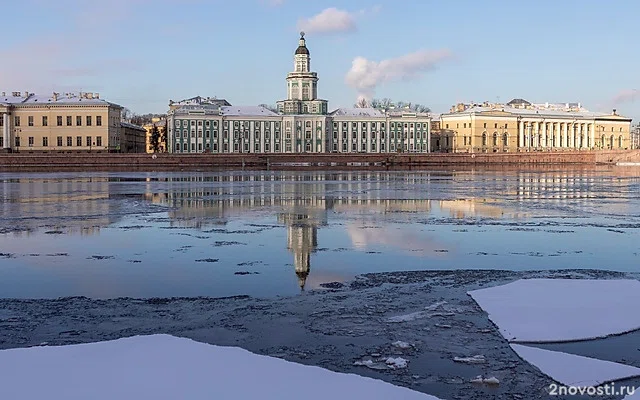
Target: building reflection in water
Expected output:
[303,203]
[78,205]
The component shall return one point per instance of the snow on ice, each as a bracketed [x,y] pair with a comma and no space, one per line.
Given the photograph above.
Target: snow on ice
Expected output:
[168,367]
[574,370]
[557,310]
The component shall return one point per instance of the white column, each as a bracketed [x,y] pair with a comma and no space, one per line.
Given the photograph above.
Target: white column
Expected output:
[592,135]
[565,135]
[581,139]
[569,135]
[521,135]
[544,135]
[536,137]
[5,131]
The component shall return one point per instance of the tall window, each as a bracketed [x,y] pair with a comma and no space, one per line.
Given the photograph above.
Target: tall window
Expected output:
[30,120]
[45,142]
[78,121]
[59,141]
[88,140]
[69,121]
[16,121]
[69,141]
[45,121]
[79,141]
[99,141]
[59,120]
[89,120]
[99,120]
[31,141]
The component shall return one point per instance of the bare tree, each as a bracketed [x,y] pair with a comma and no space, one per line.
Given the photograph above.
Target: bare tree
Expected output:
[125,114]
[269,107]
[362,103]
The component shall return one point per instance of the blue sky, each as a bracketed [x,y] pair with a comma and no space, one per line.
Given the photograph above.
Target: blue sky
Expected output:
[141,53]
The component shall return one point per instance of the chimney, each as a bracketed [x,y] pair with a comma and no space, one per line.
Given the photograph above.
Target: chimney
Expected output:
[26,94]
[614,111]
[55,96]
[97,95]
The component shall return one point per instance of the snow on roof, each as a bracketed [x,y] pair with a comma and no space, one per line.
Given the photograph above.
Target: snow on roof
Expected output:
[358,112]
[199,100]
[25,98]
[169,367]
[249,111]
[532,112]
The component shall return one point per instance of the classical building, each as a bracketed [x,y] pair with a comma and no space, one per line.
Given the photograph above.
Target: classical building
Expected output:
[69,122]
[522,126]
[301,123]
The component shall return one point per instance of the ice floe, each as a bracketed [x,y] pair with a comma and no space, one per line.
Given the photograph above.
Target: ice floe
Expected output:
[557,310]
[439,309]
[487,381]
[477,359]
[165,367]
[401,345]
[574,370]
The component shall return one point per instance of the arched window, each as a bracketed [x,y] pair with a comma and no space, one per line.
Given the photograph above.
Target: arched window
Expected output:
[602,141]
[611,142]
[620,141]
[177,147]
[484,139]
[505,139]
[495,138]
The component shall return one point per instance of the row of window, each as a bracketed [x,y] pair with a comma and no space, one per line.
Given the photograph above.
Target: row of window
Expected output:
[59,142]
[193,147]
[506,126]
[184,134]
[88,120]
[308,124]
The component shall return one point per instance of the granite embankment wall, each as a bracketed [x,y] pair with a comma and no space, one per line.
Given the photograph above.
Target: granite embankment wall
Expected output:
[179,161]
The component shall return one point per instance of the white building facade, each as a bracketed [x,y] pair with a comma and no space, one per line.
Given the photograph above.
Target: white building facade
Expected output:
[301,123]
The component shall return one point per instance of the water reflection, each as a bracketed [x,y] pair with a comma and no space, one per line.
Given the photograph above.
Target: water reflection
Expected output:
[332,219]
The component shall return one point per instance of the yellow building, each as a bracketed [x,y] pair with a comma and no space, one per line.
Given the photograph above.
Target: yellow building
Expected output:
[523,126]
[69,122]
[161,124]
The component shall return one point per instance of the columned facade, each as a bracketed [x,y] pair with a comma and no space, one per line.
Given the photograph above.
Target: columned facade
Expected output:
[490,127]
[6,130]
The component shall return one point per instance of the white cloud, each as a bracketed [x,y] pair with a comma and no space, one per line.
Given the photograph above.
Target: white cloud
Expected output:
[366,75]
[626,96]
[330,20]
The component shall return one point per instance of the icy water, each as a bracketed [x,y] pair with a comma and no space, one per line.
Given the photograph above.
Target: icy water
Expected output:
[183,234]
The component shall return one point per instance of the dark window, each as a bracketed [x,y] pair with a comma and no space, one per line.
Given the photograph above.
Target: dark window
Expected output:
[45,121]
[17,141]
[79,141]
[30,120]
[59,141]
[99,120]
[59,120]
[69,141]
[69,121]
[16,121]
[99,141]
[45,142]
[78,121]
[31,140]
[88,120]
[88,140]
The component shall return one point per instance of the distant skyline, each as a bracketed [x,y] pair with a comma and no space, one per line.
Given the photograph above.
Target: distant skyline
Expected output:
[142,53]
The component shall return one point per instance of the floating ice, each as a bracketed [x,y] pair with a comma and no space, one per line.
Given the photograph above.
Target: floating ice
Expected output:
[555,310]
[397,363]
[164,367]
[401,345]
[573,370]
[477,359]
[487,381]
[439,309]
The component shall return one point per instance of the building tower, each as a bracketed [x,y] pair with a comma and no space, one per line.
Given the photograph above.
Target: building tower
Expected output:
[302,86]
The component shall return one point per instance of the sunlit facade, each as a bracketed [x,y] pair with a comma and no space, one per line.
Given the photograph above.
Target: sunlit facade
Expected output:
[64,122]
[520,126]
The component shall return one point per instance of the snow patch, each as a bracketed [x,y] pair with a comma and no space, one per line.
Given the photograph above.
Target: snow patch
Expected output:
[557,310]
[401,345]
[574,370]
[477,359]
[165,367]
[396,363]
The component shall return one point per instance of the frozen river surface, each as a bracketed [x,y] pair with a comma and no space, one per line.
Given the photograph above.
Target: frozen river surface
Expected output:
[186,234]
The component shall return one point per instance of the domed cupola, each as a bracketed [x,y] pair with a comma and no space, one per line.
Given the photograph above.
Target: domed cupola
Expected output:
[302,46]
